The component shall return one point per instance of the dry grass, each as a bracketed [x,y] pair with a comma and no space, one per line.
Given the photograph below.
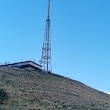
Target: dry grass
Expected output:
[38,90]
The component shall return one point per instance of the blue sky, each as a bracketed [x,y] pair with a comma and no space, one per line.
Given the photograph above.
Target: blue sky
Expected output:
[80,31]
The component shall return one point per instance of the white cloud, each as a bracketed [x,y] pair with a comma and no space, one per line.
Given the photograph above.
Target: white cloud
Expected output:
[107,92]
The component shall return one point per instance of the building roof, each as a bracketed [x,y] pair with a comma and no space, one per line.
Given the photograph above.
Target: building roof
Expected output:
[25,64]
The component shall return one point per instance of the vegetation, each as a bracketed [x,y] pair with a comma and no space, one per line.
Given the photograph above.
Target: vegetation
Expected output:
[3,96]
[38,90]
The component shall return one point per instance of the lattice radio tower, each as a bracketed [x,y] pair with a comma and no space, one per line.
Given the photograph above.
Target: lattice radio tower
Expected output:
[46,49]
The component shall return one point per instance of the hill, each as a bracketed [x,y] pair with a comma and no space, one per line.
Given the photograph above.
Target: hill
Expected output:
[39,90]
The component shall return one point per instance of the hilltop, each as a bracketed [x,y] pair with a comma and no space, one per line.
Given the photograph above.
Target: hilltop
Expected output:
[39,90]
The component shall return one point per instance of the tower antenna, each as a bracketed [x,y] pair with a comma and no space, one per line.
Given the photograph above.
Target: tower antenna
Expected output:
[46,49]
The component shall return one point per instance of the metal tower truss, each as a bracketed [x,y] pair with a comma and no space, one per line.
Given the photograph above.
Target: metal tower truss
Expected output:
[46,49]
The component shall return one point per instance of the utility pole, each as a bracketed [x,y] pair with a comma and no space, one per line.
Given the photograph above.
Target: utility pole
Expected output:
[46,49]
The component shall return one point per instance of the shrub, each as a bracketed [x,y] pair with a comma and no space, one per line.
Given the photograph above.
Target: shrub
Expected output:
[3,96]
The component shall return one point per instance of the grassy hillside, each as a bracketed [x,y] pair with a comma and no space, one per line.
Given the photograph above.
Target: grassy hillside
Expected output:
[38,90]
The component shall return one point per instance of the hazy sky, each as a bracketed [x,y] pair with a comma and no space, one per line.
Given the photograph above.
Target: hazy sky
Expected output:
[80,32]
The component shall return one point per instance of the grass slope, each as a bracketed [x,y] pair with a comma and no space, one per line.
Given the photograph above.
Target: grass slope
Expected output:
[38,90]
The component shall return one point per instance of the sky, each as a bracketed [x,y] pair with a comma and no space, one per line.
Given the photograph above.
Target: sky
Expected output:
[80,33]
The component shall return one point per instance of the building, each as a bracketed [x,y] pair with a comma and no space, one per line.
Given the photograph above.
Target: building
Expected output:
[25,64]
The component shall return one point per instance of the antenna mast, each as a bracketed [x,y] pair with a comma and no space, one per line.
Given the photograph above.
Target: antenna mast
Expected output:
[46,49]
